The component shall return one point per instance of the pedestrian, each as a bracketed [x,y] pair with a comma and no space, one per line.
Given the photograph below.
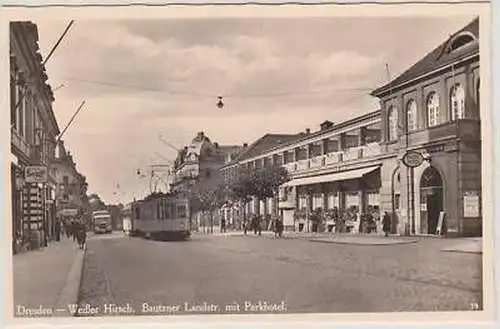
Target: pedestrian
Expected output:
[386,223]
[279,227]
[73,230]
[223,225]
[81,236]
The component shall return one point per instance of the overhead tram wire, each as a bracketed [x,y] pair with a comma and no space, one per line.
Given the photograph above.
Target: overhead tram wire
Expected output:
[211,95]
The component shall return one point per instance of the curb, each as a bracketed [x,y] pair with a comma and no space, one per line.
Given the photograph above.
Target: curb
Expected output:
[362,243]
[477,252]
[70,292]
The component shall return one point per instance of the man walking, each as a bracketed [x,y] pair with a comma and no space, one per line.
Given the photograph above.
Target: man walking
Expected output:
[386,224]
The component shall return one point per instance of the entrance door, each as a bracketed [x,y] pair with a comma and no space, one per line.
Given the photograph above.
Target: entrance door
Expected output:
[434,207]
[431,196]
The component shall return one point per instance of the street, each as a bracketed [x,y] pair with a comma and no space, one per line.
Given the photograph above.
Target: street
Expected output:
[237,274]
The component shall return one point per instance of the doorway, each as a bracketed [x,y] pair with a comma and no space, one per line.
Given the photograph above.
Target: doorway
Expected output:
[431,196]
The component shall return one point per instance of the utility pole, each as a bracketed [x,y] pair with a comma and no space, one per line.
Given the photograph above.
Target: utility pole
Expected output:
[70,121]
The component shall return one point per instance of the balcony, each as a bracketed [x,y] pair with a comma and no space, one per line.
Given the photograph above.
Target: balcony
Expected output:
[303,164]
[19,143]
[317,161]
[353,154]
[290,167]
[333,158]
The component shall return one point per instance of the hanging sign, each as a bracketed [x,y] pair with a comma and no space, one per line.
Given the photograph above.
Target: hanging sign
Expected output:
[413,159]
[36,174]
[471,204]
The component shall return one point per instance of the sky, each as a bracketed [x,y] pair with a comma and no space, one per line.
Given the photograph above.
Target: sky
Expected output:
[144,78]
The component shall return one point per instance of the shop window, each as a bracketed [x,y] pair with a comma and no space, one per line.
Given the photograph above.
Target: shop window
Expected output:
[392,115]
[411,116]
[457,102]
[433,110]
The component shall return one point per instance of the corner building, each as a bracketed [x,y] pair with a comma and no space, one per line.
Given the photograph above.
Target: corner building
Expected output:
[357,165]
[433,109]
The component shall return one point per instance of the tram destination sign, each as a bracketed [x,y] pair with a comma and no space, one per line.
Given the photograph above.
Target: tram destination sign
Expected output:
[413,159]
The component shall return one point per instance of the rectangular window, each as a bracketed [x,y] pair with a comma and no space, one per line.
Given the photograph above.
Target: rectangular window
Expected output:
[65,180]
[181,211]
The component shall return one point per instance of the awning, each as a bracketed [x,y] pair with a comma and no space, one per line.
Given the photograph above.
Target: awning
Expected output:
[339,176]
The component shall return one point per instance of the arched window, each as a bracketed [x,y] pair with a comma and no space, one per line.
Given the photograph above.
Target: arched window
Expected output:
[433,110]
[457,102]
[411,115]
[392,116]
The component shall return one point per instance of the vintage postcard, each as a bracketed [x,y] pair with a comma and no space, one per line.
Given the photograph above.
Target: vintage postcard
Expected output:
[247,163]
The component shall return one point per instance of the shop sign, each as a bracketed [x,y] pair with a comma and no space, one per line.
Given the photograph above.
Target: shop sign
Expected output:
[35,174]
[413,159]
[471,204]
[423,207]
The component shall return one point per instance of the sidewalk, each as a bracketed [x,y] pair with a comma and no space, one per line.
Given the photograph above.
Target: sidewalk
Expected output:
[48,278]
[362,239]
[467,245]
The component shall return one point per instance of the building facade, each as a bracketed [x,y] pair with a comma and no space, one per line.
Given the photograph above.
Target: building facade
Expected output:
[358,167]
[197,170]
[71,189]
[433,109]
[33,138]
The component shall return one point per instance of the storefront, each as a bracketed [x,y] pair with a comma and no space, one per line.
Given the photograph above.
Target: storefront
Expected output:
[354,191]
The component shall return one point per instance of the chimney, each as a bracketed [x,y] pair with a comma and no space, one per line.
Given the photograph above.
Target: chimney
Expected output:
[308,131]
[245,145]
[326,124]
[216,145]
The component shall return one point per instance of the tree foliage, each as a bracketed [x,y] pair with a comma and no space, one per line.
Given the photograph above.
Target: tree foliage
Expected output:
[207,199]
[260,183]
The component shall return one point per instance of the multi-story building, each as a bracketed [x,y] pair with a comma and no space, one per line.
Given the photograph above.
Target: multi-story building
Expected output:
[33,138]
[71,189]
[197,168]
[247,160]
[361,165]
[432,109]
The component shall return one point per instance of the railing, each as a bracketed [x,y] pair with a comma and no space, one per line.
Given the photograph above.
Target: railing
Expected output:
[19,143]
[303,164]
[321,161]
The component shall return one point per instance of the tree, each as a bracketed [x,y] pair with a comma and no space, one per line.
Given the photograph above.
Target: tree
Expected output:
[260,183]
[208,200]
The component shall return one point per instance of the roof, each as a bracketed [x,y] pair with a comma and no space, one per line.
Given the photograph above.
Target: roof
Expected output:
[269,142]
[437,58]
[265,143]
[230,149]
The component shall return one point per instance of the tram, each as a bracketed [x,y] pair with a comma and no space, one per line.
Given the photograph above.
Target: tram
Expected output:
[162,217]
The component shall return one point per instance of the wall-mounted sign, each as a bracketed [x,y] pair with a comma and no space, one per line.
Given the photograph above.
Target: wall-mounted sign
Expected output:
[423,207]
[413,159]
[36,174]
[471,204]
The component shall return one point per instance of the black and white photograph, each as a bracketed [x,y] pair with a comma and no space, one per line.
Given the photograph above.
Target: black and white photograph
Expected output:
[265,162]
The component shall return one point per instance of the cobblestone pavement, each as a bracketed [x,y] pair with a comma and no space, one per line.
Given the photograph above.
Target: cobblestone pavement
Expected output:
[306,276]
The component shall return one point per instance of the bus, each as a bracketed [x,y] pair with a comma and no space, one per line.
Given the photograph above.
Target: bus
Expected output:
[102,222]
[161,217]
